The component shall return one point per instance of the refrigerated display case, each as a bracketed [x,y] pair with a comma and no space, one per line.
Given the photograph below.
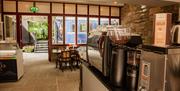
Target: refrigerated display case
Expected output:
[11,62]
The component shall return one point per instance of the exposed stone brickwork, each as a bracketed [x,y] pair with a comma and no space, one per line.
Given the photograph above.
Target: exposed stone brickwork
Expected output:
[140,18]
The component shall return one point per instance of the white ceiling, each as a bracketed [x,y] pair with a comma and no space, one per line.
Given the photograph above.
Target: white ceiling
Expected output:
[117,2]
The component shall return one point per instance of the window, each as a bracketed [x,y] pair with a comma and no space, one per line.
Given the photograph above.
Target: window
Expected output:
[70,29]
[57,30]
[82,30]
[10,27]
[93,23]
[104,21]
[114,21]
[25,7]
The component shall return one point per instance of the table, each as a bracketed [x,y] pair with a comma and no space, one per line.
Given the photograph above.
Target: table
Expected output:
[71,60]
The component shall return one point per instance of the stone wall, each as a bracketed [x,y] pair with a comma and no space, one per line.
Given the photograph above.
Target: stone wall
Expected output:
[140,18]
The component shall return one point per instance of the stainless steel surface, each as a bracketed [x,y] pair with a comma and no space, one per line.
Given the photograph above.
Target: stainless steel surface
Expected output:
[90,82]
[173,68]
[152,71]
[160,72]
[174,51]
[117,69]
[176,34]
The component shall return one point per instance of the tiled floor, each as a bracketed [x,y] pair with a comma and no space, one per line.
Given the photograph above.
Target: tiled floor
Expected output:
[41,75]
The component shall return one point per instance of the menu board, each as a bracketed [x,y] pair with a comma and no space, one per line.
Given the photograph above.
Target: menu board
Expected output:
[162,29]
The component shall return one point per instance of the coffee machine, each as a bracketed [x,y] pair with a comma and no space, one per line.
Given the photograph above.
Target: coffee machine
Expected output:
[109,52]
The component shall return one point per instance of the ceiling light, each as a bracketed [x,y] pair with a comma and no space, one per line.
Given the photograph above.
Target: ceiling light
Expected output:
[115,2]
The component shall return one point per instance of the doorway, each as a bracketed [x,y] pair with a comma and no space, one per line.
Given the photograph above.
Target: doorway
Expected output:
[34,33]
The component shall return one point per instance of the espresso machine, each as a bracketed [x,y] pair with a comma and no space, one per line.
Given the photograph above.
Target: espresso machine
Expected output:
[110,52]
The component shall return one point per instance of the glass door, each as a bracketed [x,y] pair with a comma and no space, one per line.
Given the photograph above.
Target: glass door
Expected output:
[34,33]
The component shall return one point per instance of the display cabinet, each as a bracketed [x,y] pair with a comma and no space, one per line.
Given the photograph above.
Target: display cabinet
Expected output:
[11,62]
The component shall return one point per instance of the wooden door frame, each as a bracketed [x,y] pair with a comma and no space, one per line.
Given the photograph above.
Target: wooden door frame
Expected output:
[19,33]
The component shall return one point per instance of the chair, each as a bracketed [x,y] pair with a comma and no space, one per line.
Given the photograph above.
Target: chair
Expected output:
[58,50]
[64,59]
[75,58]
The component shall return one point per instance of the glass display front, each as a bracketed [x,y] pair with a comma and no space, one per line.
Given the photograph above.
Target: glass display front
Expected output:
[70,29]
[10,27]
[93,23]
[57,30]
[114,21]
[104,21]
[82,30]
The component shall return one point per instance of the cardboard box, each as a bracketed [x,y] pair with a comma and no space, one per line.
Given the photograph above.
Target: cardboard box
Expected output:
[162,29]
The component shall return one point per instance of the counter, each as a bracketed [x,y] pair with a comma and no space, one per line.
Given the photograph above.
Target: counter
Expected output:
[93,80]
[11,63]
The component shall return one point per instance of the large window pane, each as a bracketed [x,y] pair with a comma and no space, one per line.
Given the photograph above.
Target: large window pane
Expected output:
[57,30]
[82,30]
[93,23]
[104,21]
[10,27]
[114,21]
[70,28]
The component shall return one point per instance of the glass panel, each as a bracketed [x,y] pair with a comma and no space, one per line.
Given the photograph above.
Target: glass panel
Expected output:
[82,30]
[10,27]
[57,30]
[82,9]
[34,29]
[9,6]
[114,11]
[114,21]
[70,9]
[93,10]
[57,8]
[104,11]
[25,6]
[70,29]
[43,7]
[104,21]
[93,23]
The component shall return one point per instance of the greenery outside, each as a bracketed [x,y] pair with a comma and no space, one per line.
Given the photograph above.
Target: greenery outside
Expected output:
[39,29]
